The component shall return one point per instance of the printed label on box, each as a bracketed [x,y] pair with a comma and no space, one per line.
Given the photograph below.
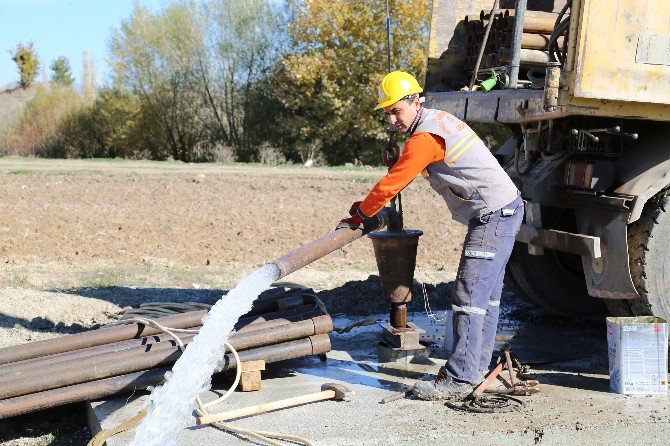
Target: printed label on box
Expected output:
[638,350]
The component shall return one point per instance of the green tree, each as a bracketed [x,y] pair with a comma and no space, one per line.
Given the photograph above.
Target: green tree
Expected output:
[152,57]
[61,73]
[27,62]
[329,79]
[107,127]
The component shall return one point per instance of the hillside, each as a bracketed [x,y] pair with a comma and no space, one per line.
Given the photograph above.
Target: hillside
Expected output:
[12,101]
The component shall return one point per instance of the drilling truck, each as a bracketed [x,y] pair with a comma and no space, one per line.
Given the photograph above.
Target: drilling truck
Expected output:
[584,88]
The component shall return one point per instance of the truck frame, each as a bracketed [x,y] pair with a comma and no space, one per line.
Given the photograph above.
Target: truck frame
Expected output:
[591,149]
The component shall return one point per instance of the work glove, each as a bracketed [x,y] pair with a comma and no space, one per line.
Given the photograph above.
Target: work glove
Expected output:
[353,222]
[356,217]
[359,219]
[355,208]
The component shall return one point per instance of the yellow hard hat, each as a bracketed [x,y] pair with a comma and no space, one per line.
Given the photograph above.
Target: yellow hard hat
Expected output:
[395,86]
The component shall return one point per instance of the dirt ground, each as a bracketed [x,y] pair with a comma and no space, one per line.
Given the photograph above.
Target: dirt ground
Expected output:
[81,240]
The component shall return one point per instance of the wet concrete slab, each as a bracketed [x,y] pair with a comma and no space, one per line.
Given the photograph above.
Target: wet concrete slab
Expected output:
[569,358]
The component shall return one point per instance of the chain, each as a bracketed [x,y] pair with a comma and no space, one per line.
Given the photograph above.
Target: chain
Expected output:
[429,310]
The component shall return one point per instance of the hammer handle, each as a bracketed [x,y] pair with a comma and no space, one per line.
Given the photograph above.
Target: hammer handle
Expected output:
[267,407]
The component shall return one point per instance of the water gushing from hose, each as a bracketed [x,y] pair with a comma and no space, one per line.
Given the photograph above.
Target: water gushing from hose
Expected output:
[172,404]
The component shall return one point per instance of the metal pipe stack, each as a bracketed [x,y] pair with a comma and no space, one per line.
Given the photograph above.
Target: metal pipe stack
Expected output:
[126,358]
[537,28]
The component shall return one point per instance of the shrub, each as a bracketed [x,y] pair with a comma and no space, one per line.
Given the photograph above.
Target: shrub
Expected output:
[270,155]
[221,153]
[38,130]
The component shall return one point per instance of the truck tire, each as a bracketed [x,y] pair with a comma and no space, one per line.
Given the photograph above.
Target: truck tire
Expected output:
[648,242]
[545,281]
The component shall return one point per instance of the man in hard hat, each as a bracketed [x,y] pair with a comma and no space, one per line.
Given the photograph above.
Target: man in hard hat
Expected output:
[478,192]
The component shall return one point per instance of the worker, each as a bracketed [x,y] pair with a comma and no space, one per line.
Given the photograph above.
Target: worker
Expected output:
[478,192]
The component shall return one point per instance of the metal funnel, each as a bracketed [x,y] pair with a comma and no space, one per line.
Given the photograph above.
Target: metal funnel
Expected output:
[395,252]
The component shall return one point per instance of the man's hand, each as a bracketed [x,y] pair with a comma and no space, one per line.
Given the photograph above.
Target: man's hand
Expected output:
[358,218]
[352,222]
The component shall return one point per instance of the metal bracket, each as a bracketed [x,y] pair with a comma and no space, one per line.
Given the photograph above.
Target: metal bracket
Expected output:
[402,338]
[583,245]
[534,220]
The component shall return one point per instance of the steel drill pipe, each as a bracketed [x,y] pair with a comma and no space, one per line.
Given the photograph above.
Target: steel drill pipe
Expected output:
[277,303]
[530,41]
[131,382]
[131,360]
[527,57]
[113,363]
[532,24]
[108,335]
[333,241]
[254,323]
[484,46]
[97,356]
[47,362]
[96,337]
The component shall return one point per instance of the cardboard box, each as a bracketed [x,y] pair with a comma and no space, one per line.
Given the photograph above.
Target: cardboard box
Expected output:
[638,355]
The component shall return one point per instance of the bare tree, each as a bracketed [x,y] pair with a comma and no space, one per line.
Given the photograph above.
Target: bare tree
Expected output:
[242,41]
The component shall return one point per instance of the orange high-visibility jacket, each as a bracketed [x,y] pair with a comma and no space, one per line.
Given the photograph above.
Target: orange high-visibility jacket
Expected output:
[455,161]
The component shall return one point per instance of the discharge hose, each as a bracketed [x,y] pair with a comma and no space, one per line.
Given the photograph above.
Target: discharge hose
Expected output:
[293,261]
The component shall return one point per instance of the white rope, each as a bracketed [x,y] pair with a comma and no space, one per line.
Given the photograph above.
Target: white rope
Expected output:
[238,374]
[172,332]
[160,309]
[262,436]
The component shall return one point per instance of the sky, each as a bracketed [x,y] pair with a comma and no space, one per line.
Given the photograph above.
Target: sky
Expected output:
[62,28]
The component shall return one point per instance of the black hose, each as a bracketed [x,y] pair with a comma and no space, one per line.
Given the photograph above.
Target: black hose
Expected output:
[553,41]
[553,48]
[517,155]
[559,18]
[565,47]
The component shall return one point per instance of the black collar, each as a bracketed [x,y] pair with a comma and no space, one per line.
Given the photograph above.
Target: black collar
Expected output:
[415,123]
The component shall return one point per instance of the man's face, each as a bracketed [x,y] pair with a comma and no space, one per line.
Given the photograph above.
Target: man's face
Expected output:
[402,113]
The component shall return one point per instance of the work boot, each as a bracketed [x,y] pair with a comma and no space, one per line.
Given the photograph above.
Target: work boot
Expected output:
[441,387]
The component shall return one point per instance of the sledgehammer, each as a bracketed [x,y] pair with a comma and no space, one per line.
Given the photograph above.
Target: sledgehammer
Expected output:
[329,391]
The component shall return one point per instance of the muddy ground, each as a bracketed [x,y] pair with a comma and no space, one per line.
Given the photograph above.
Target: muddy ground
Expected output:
[81,240]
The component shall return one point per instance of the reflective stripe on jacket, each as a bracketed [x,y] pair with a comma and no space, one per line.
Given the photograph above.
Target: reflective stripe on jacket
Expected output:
[469,178]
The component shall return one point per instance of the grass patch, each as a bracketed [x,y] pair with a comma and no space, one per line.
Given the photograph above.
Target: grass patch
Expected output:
[79,172]
[148,274]
[116,159]
[99,164]
[18,280]
[358,168]
[22,172]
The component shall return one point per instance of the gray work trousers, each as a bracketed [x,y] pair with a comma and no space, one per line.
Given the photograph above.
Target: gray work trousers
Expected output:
[477,289]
